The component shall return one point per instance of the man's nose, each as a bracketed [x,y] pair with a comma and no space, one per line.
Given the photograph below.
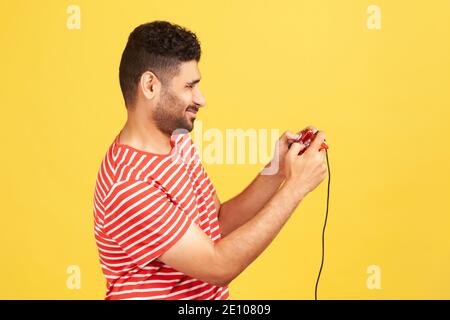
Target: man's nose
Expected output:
[199,99]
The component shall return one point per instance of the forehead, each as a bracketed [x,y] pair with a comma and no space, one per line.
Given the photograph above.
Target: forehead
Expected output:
[188,71]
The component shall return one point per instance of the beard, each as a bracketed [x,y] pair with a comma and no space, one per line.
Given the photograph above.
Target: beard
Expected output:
[170,114]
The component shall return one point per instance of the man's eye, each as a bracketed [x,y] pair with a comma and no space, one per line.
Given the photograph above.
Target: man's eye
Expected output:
[189,86]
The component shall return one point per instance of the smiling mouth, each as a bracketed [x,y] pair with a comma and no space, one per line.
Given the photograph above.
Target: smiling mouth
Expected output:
[192,111]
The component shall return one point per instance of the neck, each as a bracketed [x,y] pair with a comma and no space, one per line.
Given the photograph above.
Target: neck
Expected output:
[141,133]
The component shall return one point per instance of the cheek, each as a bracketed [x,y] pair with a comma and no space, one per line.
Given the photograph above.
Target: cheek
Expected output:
[185,99]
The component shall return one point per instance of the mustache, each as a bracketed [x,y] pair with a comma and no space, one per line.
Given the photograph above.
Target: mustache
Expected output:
[193,107]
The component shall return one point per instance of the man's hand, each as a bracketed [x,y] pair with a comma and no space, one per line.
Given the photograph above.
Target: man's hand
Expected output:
[305,172]
[281,149]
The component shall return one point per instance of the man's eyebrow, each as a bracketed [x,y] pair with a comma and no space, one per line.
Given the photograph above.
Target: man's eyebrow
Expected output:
[191,83]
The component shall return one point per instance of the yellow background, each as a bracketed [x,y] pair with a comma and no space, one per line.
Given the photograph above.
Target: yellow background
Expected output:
[382,96]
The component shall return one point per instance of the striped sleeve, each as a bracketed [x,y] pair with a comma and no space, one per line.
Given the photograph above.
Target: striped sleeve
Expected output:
[206,181]
[143,220]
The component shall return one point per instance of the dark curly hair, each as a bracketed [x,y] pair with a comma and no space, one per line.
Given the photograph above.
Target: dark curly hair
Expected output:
[157,46]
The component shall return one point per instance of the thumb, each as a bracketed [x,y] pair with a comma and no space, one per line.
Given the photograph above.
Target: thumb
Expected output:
[291,136]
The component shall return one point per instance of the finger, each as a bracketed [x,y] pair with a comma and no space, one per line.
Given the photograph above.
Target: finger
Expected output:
[317,142]
[295,148]
[291,135]
[324,154]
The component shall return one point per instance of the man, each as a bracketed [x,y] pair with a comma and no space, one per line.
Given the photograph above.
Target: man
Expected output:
[160,229]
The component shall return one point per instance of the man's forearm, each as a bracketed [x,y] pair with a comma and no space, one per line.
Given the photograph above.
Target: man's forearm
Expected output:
[241,208]
[243,245]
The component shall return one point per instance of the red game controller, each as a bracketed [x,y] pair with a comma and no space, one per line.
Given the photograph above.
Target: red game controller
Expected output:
[306,137]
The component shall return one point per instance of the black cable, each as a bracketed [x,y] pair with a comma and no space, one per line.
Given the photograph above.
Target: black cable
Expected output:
[324,226]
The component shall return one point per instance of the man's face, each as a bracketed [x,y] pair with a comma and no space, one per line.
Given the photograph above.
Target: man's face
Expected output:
[179,100]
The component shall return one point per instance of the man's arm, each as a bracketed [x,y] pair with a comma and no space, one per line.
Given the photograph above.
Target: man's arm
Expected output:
[196,255]
[240,209]
[235,212]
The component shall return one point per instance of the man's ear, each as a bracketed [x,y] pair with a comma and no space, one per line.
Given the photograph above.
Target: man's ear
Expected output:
[149,85]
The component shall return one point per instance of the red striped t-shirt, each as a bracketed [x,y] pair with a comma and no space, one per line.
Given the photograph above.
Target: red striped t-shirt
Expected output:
[144,203]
